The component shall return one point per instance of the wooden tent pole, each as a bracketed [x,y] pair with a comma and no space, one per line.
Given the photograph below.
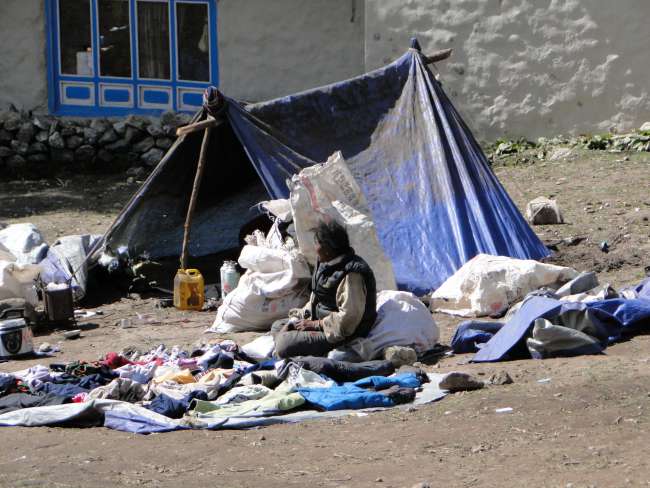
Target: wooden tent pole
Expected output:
[195,192]
[437,56]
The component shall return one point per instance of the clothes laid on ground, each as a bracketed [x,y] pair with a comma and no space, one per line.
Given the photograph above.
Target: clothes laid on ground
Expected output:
[245,396]
[371,392]
[342,371]
[17,401]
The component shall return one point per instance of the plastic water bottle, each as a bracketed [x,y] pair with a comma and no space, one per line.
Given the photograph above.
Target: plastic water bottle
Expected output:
[229,277]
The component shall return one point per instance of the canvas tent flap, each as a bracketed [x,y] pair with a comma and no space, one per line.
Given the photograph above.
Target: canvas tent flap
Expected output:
[433,198]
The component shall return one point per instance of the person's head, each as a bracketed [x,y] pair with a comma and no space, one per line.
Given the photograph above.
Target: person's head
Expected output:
[331,240]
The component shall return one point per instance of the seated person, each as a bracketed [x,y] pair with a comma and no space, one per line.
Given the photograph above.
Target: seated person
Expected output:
[342,305]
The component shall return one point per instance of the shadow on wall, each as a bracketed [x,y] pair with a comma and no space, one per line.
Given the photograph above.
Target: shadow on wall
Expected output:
[524,68]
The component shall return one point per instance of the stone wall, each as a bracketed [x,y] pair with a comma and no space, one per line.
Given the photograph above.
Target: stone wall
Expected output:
[39,145]
[23,75]
[527,67]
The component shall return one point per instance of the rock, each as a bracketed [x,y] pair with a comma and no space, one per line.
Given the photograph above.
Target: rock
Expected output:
[54,127]
[457,381]
[68,130]
[19,147]
[118,147]
[100,125]
[56,141]
[560,153]
[144,145]
[12,121]
[645,127]
[5,136]
[45,347]
[133,158]
[136,122]
[169,130]
[136,171]
[16,162]
[500,378]
[25,133]
[41,136]
[152,157]
[104,156]
[164,143]
[37,147]
[170,119]
[90,135]
[38,158]
[423,484]
[107,137]
[84,153]
[120,127]
[130,180]
[543,211]
[5,152]
[133,135]
[155,130]
[62,155]
[400,356]
[42,123]
[73,142]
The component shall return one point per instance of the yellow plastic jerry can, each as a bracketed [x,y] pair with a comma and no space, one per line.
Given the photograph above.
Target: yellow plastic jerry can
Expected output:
[189,289]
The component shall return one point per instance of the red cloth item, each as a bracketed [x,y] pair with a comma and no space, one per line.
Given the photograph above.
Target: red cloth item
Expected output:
[80,398]
[113,360]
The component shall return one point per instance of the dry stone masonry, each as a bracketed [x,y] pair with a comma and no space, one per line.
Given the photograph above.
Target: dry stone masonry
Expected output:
[36,144]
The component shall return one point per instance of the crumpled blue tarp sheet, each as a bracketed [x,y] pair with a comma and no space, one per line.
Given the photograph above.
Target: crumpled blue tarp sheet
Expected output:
[613,318]
[433,198]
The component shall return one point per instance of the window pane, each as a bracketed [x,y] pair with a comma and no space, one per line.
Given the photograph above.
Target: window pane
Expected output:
[153,40]
[193,41]
[114,38]
[74,31]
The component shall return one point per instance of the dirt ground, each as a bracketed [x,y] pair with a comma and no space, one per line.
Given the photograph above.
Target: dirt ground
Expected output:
[586,425]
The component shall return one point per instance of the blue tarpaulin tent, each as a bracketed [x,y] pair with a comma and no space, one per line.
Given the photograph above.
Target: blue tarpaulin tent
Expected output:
[433,197]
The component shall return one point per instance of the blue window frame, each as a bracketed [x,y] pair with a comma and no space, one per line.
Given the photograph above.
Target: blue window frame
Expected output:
[118,57]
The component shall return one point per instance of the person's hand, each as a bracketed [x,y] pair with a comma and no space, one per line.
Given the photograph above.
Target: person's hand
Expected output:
[307,325]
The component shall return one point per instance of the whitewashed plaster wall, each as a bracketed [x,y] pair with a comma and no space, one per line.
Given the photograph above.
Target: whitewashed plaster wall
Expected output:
[23,76]
[270,48]
[528,67]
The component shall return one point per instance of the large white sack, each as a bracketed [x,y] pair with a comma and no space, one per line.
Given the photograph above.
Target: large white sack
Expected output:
[6,255]
[488,285]
[249,308]
[276,280]
[402,320]
[25,242]
[329,191]
[16,280]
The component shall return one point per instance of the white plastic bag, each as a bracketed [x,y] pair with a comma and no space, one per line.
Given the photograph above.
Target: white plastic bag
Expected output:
[249,308]
[488,285]
[25,242]
[17,280]
[402,320]
[329,191]
[276,280]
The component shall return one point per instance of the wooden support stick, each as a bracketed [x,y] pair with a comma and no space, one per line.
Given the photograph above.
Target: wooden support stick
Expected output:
[197,126]
[195,192]
[438,56]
